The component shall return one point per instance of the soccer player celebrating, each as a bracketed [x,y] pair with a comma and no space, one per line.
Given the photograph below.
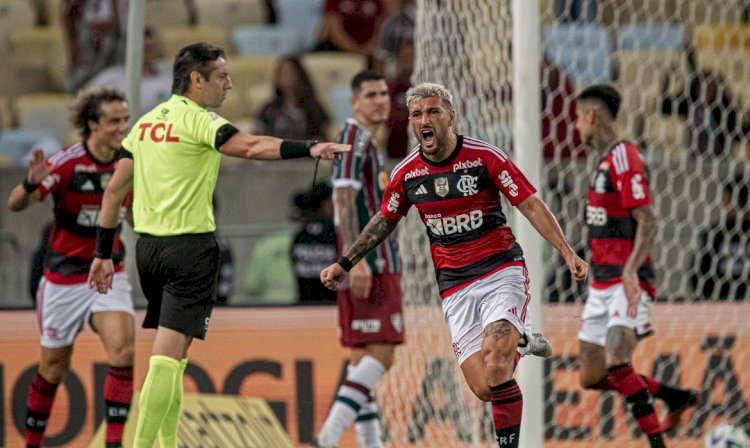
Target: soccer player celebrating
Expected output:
[373,294]
[455,182]
[76,178]
[622,227]
[171,160]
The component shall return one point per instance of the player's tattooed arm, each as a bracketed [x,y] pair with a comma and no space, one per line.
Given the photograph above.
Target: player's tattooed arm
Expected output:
[373,234]
[345,201]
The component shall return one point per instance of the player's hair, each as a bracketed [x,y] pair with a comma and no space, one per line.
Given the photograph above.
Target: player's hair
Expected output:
[738,190]
[604,94]
[88,107]
[363,76]
[193,58]
[429,89]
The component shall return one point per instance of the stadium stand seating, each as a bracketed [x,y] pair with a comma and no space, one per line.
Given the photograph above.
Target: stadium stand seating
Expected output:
[721,37]
[230,13]
[46,111]
[14,15]
[265,40]
[305,17]
[341,109]
[175,37]
[250,71]
[647,36]
[666,134]
[594,65]
[159,13]
[39,60]
[327,69]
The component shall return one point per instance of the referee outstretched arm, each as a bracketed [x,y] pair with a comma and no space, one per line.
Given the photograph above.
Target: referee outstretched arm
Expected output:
[261,147]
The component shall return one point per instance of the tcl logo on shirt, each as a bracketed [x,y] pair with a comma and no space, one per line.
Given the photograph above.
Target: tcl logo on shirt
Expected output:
[158,132]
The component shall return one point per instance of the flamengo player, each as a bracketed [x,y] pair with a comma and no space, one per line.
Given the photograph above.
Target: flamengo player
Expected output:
[622,227]
[76,178]
[455,181]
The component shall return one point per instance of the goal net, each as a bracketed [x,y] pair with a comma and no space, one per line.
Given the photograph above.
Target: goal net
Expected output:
[683,68]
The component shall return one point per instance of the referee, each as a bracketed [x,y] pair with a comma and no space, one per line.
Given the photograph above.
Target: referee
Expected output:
[170,160]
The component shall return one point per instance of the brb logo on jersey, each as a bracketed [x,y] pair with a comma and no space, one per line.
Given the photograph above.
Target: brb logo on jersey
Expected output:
[507,182]
[468,185]
[449,225]
[596,216]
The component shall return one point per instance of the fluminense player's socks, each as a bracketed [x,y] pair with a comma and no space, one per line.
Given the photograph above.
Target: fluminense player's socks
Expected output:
[356,390]
[118,393]
[631,386]
[38,406]
[507,405]
[369,433]
[156,399]
[168,429]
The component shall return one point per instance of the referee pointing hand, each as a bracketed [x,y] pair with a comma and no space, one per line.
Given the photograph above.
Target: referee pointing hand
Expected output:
[170,160]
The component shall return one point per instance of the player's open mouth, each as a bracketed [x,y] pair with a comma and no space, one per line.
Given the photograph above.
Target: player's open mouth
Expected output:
[428,137]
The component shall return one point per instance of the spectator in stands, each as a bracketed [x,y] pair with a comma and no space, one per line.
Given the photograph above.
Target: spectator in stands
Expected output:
[398,121]
[351,26]
[269,277]
[156,84]
[722,263]
[396,29]
[294,112]
[575,10]
[95,32]
[314,245]
[713,113]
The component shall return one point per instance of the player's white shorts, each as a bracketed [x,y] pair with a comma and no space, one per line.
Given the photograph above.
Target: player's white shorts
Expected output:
[62,310]
[504,295]
[607,308]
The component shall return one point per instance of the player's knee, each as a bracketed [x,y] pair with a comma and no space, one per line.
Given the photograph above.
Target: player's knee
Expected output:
[122,354]
[482,391]
[53,371]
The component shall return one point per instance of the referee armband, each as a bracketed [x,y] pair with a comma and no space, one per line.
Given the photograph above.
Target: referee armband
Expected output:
[224,134]
[123,153]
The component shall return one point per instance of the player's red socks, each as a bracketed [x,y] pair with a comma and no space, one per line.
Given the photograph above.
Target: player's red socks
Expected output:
[507,404]
[632,386]
[38,406]
[118,393]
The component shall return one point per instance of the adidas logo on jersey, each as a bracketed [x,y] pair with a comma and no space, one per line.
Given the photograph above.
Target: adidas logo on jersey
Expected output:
[421,190]
[87,186]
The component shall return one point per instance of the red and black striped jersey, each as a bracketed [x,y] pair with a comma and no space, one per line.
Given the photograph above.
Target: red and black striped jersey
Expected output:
[458,200]
[363,169]
[620,185]
[76,183]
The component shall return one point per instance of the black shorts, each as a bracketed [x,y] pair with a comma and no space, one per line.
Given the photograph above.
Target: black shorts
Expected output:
[178,277]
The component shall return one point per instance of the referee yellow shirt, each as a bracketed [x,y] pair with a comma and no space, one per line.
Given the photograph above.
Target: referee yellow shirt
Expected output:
[176,165]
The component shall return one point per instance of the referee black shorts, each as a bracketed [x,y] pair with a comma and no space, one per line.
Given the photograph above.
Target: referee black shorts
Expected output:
[178,276]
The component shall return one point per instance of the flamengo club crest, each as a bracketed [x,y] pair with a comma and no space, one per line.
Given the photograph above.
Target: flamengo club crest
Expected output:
[441,186]
[467,185]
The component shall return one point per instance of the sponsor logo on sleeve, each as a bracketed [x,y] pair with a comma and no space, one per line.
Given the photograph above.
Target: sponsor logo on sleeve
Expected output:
[507,182]
[393,202]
